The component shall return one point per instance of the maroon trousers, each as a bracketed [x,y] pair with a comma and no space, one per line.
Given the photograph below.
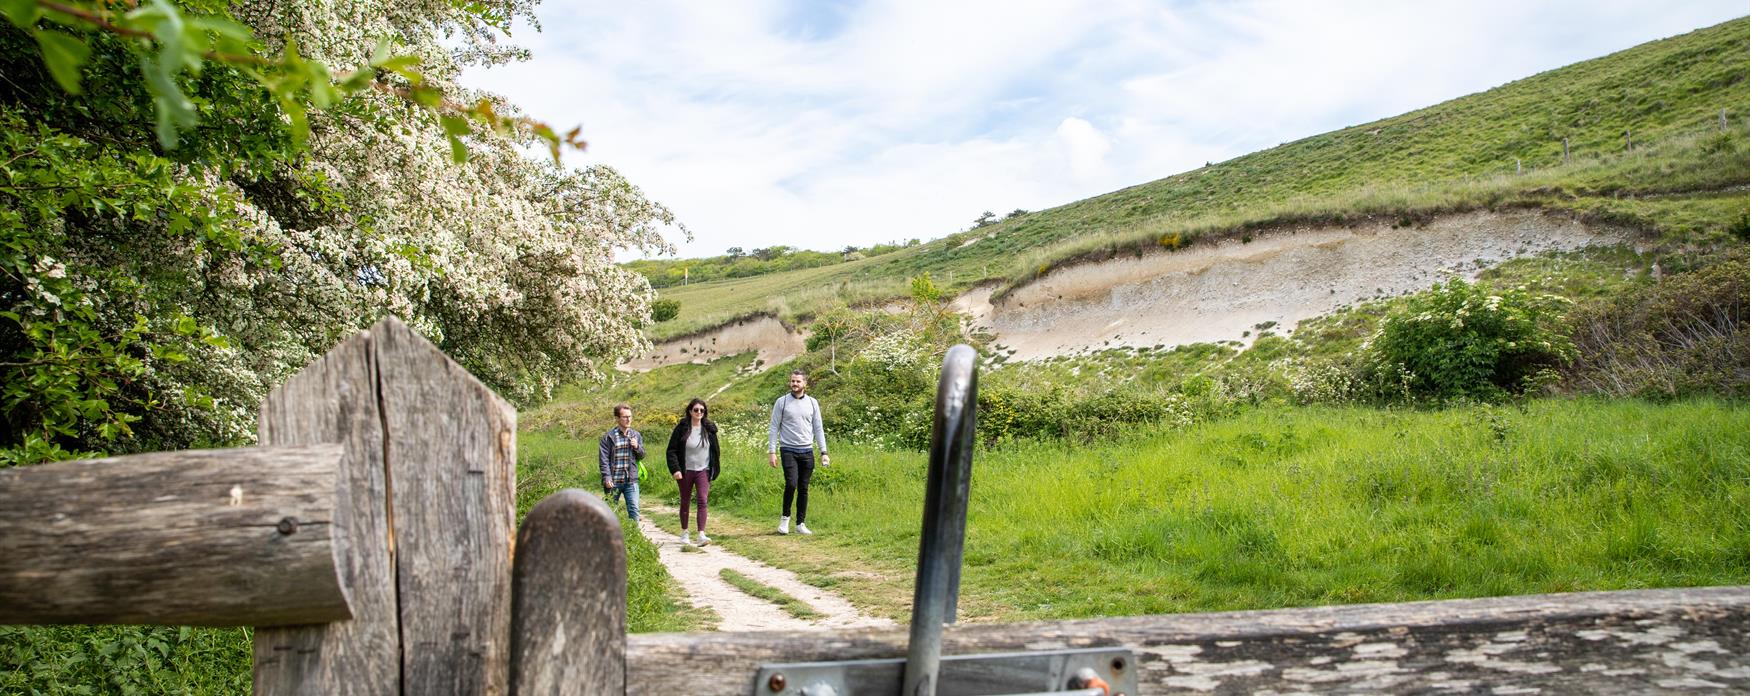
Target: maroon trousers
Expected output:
[690,482]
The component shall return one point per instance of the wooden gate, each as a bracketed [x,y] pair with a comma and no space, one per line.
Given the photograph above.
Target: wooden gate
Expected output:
[371,540]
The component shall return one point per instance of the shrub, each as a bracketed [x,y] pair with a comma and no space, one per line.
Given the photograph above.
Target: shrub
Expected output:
[664,310]
[1460,341]
[1684,336]
[1740,228]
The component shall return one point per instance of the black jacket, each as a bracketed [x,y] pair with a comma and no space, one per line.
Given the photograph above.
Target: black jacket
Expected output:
[677,448]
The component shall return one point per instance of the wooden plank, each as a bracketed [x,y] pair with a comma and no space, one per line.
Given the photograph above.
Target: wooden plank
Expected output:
[1592,642]
[335,400]
[568,630]
[451,455]
[235,537]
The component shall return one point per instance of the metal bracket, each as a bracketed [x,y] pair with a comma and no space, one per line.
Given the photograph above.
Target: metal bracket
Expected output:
[1018,674]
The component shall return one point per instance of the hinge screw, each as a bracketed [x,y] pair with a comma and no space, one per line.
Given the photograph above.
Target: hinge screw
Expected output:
[776,683]
[287,525]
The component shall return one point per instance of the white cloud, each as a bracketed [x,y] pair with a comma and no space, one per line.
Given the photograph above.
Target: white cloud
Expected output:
[819,125]
[1085,148]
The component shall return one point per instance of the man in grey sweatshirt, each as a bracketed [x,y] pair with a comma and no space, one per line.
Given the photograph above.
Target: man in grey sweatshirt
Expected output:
[796,427]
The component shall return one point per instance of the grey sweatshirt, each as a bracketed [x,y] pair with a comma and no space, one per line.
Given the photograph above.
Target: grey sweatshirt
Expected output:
[795,424]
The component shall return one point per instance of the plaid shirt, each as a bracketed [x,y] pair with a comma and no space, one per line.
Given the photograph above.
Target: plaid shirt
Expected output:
[618,458]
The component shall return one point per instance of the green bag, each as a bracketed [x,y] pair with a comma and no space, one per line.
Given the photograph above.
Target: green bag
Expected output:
[642,472]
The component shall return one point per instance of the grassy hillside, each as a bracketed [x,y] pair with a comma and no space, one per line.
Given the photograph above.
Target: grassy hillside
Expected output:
[1684,179]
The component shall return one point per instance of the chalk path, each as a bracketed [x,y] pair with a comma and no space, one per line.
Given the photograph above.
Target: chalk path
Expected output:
[698,574]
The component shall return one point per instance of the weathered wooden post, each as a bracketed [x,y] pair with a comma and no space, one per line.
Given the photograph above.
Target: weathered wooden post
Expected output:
[568,634]
[429,490]
[1564,150]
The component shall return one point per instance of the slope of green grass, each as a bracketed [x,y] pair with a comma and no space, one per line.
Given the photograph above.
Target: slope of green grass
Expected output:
[1291,507]
[1458,155]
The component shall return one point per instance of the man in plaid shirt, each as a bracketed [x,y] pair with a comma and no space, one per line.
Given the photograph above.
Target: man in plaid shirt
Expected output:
[621,449]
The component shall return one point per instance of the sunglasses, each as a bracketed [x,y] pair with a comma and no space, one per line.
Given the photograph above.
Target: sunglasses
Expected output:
[698,409]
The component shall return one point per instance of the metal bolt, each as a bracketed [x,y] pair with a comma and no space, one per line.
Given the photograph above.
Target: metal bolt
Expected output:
[288,525]
[776,683]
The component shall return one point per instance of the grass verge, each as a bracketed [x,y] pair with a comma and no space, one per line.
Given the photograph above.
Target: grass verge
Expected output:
[791,605]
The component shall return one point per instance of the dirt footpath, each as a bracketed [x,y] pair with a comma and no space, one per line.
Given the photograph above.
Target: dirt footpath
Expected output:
[698,574]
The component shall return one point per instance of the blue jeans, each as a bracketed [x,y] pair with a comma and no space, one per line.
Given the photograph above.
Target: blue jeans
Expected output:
[629,491]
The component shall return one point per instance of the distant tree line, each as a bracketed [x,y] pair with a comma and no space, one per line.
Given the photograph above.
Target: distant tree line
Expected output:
[739,263]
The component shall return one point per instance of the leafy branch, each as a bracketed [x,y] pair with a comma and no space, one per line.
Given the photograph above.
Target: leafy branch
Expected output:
[169,43]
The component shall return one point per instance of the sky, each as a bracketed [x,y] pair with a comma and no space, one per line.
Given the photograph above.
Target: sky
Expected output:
[831,123]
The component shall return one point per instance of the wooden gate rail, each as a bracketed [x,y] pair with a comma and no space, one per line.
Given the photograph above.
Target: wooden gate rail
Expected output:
[204,538]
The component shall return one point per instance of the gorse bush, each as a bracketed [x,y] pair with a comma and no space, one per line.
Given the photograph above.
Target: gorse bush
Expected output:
[1461,340]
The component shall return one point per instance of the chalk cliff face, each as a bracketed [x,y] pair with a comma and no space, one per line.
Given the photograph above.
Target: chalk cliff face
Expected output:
[1224,291]
[1227,290]
[774,342]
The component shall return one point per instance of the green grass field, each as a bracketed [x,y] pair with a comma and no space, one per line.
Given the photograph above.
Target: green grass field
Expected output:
[1283,507]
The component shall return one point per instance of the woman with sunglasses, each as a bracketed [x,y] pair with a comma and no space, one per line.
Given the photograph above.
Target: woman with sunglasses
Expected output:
[693,460]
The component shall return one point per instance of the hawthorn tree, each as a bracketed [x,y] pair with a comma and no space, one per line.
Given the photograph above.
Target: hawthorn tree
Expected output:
[198,198]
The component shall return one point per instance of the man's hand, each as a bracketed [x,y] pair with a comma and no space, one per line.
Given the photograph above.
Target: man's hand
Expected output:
[774,459]
[636,444]
[825,460]
[677,475]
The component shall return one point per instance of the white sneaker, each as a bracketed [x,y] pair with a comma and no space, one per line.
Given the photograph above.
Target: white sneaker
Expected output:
[802,528]
[703,540]
[686,538]
[783,525]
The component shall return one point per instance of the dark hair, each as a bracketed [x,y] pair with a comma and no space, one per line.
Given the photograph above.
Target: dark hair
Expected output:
[617,408]
[704,420]
[799,373]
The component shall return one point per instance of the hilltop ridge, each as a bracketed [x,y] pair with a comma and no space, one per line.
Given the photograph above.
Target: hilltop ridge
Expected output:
[1500,147]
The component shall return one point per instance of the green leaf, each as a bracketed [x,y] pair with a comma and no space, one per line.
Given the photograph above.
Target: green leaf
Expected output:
[185,325]
[458,151]
[64,55]
[399,64]
[455,125]
[22,13]
[425,96]
[174,110]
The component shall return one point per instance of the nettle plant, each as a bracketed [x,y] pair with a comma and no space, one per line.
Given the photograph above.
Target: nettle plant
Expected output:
[199,197]
[1461,340]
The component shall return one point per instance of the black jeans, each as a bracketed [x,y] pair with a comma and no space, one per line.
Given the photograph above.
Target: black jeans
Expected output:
[798,469]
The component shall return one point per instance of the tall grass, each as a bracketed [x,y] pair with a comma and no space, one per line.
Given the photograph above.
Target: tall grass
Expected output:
[1292,507]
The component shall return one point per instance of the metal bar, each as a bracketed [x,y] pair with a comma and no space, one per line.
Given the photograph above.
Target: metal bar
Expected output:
[1103,671]
[943,540]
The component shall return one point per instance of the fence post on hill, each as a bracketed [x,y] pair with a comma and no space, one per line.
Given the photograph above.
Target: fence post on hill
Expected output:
[1628,140]
[429,490]
[1722,120]
[1564,150]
